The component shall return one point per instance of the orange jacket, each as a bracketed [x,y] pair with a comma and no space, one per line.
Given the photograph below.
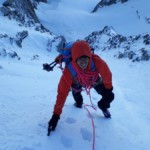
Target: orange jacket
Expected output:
[67,79]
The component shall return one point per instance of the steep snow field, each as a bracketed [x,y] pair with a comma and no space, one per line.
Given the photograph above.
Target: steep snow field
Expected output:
[28,93]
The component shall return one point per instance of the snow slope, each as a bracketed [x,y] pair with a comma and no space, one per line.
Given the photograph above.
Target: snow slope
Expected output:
[28,94]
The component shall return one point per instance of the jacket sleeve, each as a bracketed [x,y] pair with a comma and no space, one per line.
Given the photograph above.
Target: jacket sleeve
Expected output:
[103,70]
[63,90]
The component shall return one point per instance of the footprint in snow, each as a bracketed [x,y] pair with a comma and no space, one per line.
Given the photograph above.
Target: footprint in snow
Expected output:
[67,142]
[86,135]
[70,120]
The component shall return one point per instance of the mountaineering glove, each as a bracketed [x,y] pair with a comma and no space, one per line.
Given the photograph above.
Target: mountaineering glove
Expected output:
[107,94]
[53,123]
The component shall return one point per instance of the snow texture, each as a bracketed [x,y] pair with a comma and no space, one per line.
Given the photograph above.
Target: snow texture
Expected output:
[28,93]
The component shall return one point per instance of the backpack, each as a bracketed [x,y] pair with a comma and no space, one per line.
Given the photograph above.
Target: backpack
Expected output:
[67,58]
[66,52]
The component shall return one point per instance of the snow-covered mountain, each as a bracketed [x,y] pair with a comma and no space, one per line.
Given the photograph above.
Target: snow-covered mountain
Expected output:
[28,93]
[125,42]
[135,48]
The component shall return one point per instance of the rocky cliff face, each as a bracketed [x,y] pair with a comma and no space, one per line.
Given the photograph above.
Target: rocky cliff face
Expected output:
[23,12]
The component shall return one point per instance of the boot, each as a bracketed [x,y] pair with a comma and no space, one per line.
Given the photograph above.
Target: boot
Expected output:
[106,113]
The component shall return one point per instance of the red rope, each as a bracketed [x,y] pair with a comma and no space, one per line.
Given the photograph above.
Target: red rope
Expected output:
[86,80]
[93,125]
[85,77]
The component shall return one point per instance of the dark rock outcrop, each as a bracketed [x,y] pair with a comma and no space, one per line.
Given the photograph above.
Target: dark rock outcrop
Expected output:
[10,54]
[104,3]
[23,12]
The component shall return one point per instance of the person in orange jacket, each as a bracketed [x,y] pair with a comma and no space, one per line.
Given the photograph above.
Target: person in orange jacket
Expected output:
[100,78]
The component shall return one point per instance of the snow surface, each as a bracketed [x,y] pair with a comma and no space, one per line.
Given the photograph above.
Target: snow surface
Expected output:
[28,94]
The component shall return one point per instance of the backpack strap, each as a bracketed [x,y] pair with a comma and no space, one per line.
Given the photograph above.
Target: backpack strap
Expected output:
[71,69]
[93,66]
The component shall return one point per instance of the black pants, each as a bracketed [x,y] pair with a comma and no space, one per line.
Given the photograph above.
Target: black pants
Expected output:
[107,97]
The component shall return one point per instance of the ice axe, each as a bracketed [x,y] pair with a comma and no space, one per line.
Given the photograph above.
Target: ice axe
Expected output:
[49,67]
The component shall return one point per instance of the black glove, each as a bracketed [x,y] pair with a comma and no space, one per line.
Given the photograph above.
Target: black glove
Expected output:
[107,94]
[52,123]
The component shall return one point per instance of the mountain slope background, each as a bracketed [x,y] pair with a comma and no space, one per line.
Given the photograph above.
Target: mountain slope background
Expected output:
[28,93]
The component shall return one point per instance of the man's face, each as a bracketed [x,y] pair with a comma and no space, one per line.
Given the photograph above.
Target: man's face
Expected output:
[83,62]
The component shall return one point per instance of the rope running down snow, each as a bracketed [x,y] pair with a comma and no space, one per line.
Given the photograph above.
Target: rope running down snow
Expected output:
[84,79]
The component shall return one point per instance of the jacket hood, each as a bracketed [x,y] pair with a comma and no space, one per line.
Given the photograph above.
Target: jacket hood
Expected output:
[80,48]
